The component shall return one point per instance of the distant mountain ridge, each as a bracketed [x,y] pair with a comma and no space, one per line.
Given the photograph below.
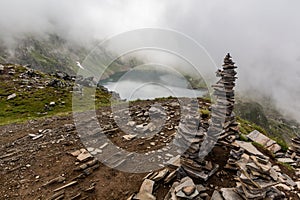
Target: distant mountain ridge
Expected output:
[53,53]
[48,54]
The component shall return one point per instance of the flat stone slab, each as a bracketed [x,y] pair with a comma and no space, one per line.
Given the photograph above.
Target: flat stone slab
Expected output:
[230,194]
[144,196]
[147,186]
[129,137]
[260,138]
[185,182]
[174,162]
[183,195]
[161,174]
[216,196]
[285,160]
[84,155]
[249,148]
[274,148]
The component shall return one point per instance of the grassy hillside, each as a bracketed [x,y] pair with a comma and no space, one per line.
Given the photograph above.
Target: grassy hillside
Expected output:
[53,53]
[34,95]
[252,115]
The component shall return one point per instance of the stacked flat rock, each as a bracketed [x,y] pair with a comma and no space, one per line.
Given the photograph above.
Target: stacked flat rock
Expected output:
[223,119]
[188,136]
[294,151]
[235,155]
[257,178]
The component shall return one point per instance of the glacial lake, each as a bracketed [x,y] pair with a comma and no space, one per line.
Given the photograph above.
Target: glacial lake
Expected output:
[150,84]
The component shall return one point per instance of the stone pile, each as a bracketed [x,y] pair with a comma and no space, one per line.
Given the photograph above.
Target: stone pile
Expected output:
[86,162]
[235,155]
[266,142]
[188,138]
[187,189]
[294,151]
[184,188]
[257,178]
[223,119]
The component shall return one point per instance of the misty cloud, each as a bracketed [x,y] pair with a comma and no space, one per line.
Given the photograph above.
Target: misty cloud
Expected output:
[263,36]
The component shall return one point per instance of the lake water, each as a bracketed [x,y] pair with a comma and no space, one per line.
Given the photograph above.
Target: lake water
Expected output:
[150,84]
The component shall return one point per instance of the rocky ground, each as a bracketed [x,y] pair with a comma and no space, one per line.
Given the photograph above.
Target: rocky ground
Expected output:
[45,159]
[34,153]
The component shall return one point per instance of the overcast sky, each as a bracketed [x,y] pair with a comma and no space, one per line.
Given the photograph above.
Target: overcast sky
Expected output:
[263,36]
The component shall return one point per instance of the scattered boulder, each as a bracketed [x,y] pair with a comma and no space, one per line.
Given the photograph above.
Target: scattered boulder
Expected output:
[12,96]
[1,69]
[216,196]
[268,143]
[129,137]
[230,194]
[248,147]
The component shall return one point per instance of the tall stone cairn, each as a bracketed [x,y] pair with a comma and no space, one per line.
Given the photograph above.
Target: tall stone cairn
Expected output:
[223,118]
[222,125]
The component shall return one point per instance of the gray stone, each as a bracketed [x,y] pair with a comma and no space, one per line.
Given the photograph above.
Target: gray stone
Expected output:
[274,148]
[183,195]
[185,182]
[170,177]
[285,160]
[230,194]
[103,146]
[174,162]
[161,174]
[264,167]
[84,155]
[90,149]
[201,188]
[204,196]
[12,96]
[152,143]
[189,190]
[274,174]
[260,138]
[129,137]
[298,184]
[147,186]
[289,181]
[283,186]
[144,196]
[249,148]
[216,196]
[37,137]
[131,123]
[276,168]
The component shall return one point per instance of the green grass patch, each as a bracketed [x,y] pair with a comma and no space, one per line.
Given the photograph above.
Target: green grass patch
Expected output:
[243,137]
[205,112]
[286,165]
[34,102]
[247,127]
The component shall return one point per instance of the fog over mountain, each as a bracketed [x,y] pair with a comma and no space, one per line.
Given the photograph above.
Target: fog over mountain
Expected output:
[262,36]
